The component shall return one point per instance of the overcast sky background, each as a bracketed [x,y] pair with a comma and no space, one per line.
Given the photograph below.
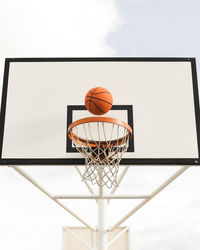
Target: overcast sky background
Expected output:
[137,28]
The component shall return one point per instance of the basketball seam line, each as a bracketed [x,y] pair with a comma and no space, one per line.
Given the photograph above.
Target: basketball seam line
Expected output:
[91,98]
[95,105]
[100,93]
[99,99]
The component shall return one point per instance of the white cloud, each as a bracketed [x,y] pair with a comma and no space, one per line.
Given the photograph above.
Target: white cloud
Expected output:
[57,28]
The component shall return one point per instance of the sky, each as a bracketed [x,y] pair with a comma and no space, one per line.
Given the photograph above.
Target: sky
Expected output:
[137,28]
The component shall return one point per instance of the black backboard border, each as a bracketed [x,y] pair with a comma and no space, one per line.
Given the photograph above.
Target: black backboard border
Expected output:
[71,108]
[80,161]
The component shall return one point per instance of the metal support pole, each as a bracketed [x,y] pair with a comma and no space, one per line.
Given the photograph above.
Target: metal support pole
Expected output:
[158,190]
[21,172]
[105,197]
[102,230]
[102,217]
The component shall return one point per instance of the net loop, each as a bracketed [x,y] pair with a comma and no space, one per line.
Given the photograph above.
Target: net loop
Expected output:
[102,141]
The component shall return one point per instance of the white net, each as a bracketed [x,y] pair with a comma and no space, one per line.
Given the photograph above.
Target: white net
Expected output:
[103,145]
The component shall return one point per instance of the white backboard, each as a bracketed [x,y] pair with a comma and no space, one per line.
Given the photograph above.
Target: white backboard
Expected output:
[158,97]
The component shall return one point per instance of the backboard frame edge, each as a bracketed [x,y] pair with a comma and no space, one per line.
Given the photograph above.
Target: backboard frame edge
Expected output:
[80,161]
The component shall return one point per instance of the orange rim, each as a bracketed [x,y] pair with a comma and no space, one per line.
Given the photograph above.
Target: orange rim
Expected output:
[85,142]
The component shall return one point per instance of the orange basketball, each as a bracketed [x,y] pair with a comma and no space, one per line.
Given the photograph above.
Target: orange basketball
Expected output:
[98,101]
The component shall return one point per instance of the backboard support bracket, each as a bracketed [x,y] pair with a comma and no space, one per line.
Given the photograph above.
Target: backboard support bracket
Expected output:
[102,203]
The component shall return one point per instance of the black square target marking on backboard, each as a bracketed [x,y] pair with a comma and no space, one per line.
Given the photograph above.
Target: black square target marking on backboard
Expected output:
[72,108]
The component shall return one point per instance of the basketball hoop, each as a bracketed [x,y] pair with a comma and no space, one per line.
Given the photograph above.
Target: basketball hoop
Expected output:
[102,141]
